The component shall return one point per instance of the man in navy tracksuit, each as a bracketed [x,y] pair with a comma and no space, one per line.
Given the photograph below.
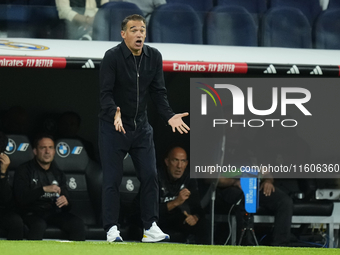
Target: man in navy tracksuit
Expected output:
[128,71]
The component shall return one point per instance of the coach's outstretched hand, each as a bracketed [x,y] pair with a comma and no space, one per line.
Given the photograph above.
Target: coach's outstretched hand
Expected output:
[118,123]
[176,122]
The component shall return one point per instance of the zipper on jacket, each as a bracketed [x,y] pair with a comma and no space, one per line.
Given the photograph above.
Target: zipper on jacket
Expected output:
[137,69]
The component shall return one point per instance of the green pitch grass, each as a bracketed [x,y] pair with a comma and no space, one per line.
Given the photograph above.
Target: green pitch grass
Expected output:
[104,248]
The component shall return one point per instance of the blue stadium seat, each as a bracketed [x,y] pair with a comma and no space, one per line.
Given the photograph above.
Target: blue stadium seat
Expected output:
[230,25]
[17,21]
[30,21]
[252,6]
[333,4]
[107,22]
[310,8]
[200,6]
[45,23]
[3,19]
[29,2]
[327,30]
[286,27]
[18,2]
[175,23]
[42,2]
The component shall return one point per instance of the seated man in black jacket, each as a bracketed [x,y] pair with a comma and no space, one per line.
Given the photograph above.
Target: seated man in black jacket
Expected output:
[40,189]
[9,220]
[180,209]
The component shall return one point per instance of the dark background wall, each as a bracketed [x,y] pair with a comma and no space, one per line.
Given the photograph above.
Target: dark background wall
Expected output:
[45,94]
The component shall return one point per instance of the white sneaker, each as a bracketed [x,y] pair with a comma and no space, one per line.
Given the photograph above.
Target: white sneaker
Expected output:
[154,234]
[113,235]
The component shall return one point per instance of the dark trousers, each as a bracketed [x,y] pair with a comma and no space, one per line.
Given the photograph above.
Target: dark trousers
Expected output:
[69,223]
[113,147]
[278,203]
[13,224]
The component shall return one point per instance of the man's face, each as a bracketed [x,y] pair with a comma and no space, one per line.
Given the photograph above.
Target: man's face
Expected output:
[45,151]
[176,162]
[134,36]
